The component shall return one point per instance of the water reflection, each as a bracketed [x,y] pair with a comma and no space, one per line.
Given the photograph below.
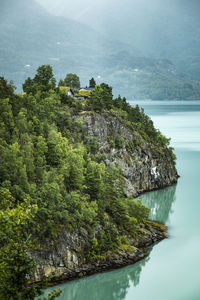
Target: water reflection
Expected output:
[106,286]
[114,285]
[160,203]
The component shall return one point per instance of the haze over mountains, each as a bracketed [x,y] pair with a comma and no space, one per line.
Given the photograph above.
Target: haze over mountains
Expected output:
[144,49]
[30,36]
[163,29]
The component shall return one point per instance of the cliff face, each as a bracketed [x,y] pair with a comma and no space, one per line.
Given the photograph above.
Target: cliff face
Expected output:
[145,167]
[63,260]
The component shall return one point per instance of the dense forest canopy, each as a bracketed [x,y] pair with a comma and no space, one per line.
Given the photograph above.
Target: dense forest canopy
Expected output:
[46,156]
[47,159]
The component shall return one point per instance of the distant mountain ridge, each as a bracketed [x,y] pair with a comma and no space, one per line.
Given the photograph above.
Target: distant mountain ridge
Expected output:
[167,29]
[30,36]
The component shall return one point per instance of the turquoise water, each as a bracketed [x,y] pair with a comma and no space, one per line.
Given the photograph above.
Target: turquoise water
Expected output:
[172,269]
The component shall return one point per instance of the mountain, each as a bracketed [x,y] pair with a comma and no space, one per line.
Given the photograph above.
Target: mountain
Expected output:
[30,36]
[167,29]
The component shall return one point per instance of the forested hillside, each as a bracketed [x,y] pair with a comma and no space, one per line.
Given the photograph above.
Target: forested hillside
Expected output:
[46,156]
[56,178]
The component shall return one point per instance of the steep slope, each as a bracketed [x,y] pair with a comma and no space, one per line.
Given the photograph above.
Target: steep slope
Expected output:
[145,166]
[79,162]
[65,260]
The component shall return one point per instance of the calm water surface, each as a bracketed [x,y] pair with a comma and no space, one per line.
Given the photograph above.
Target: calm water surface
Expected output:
[172,269]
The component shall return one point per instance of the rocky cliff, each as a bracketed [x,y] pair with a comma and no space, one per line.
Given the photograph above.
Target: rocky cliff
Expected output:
[145,166]
[64,261]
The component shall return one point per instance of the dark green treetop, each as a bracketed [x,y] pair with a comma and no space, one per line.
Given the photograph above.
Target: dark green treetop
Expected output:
[6,89]
[72,80]
[44,80]
[92,83]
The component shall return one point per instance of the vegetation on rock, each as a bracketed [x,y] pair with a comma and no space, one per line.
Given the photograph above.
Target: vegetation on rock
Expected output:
[16,265]
[47,157]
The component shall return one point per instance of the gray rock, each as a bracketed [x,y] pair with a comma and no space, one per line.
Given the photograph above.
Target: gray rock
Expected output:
[146,167]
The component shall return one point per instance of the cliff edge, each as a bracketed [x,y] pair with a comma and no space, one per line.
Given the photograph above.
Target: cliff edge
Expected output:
[144,166]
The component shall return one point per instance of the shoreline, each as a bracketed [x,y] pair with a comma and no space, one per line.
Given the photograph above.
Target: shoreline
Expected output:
[136,251]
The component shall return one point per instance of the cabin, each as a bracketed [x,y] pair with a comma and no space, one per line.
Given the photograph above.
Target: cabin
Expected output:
[80,94]
[67,90]
[84,93]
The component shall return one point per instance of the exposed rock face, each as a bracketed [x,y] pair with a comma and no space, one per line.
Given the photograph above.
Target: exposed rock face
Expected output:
[145,167]
[63,261]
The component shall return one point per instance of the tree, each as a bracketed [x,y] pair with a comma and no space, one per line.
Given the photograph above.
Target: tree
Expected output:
[44,76]
[28,85]
[6,89]
[44,80]
[92,83]
[72,80]
[61,82]
[96,100]
[107,95]
[94,179]
[6,119]
[15,239]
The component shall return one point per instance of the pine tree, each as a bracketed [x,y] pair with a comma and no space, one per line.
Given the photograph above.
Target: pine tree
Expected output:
[92,83]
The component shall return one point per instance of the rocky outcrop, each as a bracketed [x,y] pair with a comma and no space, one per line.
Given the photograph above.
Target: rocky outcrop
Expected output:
[63,261]
[145,166]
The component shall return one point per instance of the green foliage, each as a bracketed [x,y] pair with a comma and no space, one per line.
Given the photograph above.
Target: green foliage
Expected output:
[81,211]
[119,142]
[15,239]
[6,90]
[6,119]
[101,98]
[137,119]
[109,240]
[94,179]
[130,147]
[171,150]
[92,83]
[107,95]
[138,210]
[44,80]
[96,100]
[92,145]
[46,156]
[61,82]
[71,80]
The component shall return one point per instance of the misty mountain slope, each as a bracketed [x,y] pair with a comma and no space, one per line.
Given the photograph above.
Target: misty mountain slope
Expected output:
[167,29]
[30,36]
[142,77]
